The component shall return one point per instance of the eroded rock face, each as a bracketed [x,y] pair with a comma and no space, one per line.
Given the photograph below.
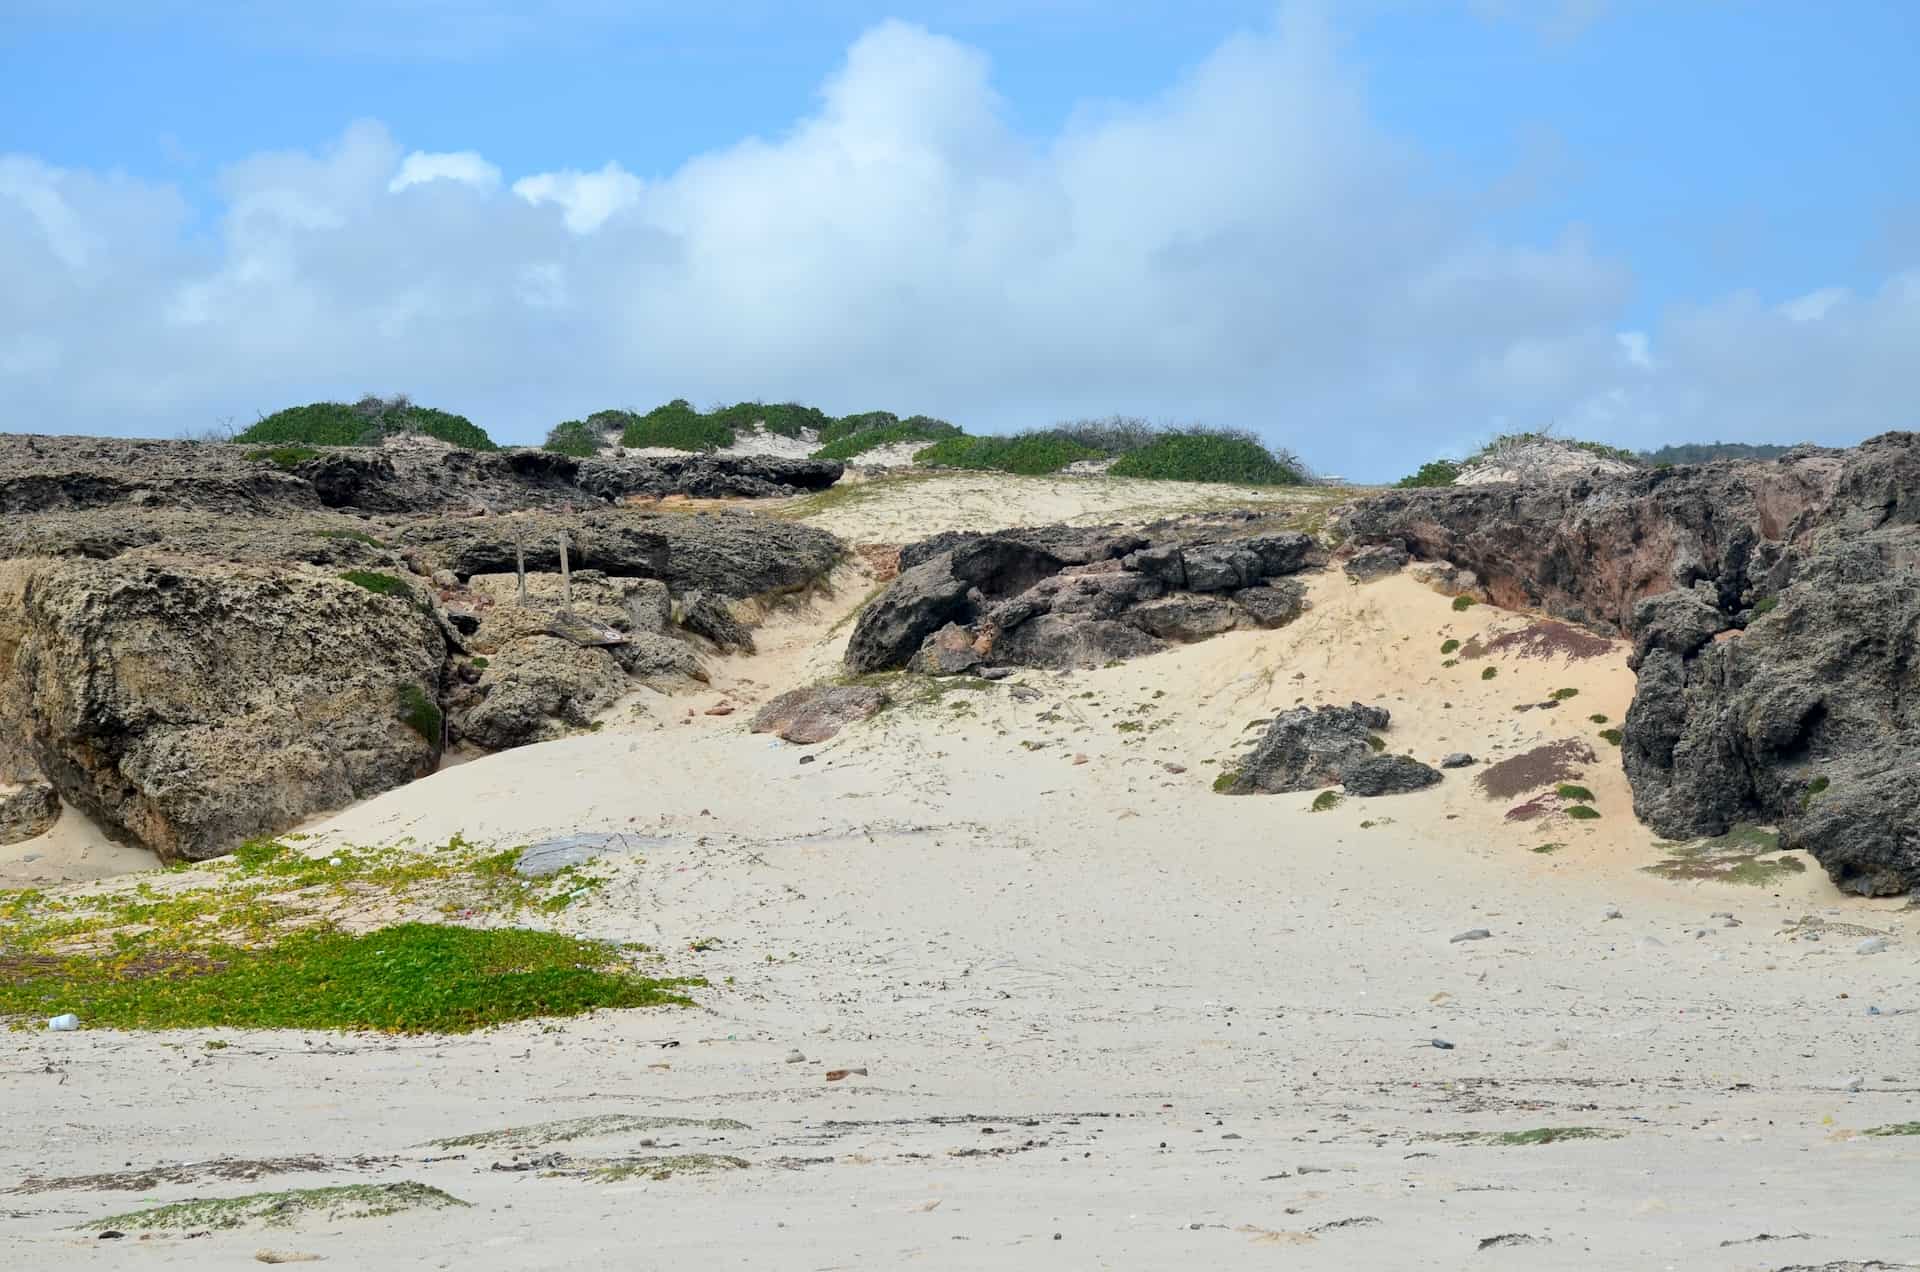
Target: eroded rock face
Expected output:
[189,707]
[1065,597]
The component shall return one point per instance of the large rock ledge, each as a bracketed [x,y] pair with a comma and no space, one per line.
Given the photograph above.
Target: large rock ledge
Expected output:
[1060,597]
[1775,610]
[40,474]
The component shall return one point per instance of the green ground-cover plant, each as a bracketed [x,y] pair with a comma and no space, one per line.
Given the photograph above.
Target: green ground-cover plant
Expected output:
[273,937]
[377,583]
[283,457]
[200,1215]
[676,426]
[1438,472]
[578,438]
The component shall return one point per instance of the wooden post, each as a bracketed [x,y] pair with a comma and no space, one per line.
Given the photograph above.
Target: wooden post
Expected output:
[520,560]
[566,574]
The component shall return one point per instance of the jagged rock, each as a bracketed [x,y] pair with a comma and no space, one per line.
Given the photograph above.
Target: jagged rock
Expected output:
[1062,641]
[1165,563]
[27,811]
[1677,622]
[708,616]
[1222,568]
[1284,553]
[894,624]
[1185,618]
[818,712]
[583,631]
[1307,748]
[188,706]
[1062,545]
[1449,580]
[947,652]
[1376,562]
[1273,604]
[1389,775]
[1457,760]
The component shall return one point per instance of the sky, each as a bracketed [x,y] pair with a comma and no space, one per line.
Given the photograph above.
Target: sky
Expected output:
[1373,231]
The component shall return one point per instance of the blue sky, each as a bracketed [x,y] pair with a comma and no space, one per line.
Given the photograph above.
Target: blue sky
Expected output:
[1373,231]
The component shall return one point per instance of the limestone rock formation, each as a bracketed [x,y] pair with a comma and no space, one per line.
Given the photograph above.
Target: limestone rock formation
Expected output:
[188,707]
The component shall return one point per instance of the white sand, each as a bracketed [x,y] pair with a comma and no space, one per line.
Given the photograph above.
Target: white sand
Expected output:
[1109,1019]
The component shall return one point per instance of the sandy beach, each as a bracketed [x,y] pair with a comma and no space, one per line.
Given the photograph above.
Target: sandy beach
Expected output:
[1094,1014]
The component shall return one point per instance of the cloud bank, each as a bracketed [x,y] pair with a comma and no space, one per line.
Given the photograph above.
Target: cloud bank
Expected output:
[1249,247]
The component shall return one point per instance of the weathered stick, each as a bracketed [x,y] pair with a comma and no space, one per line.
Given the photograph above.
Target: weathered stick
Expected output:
[520,562]
[566,574]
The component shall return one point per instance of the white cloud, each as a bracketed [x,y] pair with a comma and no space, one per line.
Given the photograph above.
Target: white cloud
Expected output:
[586,199]
[1249,247]
[1815,305]
[463,166]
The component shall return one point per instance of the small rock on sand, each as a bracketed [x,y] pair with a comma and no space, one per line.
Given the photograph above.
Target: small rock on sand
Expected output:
[1471,934]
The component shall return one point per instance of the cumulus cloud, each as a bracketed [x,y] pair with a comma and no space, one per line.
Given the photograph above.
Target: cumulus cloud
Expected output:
[1248,247]
[585,199]
[464,166]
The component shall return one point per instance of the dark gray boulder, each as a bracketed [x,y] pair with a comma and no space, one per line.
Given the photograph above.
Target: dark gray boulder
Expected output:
[1389,775]
[1376,562]
[1221,568]
[1062,642]
[1274,603]
[1166,563]
[815,713]
[1186,618]
[1457,760]
[947,652]
[1306,748]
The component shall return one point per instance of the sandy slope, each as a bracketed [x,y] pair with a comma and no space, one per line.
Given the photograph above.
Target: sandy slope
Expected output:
[1108,1018]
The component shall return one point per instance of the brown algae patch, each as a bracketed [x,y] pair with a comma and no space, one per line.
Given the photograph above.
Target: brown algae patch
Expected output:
[1541,639]
[1548,764]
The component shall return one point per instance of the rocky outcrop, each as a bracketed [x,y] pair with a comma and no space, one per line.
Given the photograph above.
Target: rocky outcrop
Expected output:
[1590,548]
[188,707]
[817,712]
[1376,562]
[1775,612]
[1306,748]
[1065,597]
[41,474]
[27,811]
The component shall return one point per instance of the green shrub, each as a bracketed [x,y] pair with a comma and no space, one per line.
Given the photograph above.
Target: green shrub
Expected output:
[1438,472]
[286,457]
[1377,742]
[1613,736]
[364,423]
[1448,646]
[1581,812]
[1579,794]
[1707,452]
[1029,454]
[858,422]
[421,714]
[577,438]
[1598,718]
[1325,800]
[788,419]
[1209,454]
[676,426]
[1561,695]
[1224,780]
[1765,605]
[1462,604]
[914,429]
[1488,673]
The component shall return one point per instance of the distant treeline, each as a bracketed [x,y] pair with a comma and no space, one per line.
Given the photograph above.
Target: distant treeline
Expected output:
[1707,452]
